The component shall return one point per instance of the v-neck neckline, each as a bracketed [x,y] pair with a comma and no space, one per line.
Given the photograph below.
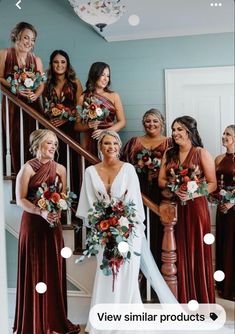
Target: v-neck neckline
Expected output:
[185,159]
[114,179]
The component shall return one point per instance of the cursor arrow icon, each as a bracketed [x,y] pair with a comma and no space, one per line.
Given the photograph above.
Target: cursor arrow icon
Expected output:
[18,4]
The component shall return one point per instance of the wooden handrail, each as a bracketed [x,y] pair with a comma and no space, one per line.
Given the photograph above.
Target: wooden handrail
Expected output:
[68,140]
[42,120]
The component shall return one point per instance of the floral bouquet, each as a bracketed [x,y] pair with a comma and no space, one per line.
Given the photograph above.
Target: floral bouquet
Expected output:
[51,199]
[59,111]
[224,194]
[110,223]
[23,79]
[92,110]
[187,179]
[148,162]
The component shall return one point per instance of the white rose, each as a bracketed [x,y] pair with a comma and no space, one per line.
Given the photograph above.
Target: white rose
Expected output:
[124,221]
[63,204]
[28,83]
[192,186]
[223,192]
[99,112]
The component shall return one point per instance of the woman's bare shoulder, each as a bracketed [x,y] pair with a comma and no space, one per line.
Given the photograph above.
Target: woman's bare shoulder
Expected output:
[219,158]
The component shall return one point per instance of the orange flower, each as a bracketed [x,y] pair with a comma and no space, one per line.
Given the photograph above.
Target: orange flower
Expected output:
[104,225]
[55,197]
[60,106]
[186,179]
[23,76]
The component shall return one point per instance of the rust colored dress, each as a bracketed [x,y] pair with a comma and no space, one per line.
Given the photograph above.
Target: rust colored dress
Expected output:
[68,99]
[225,232]
[90,143]
[149,187]
[194,259]
[14,114]
[39,260]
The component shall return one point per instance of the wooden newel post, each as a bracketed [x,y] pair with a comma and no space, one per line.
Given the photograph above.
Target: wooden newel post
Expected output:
[168,215]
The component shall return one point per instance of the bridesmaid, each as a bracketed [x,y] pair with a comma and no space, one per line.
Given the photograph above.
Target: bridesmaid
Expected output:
[62,91]
[194,260]
[225,218]
[39,258]
[145,153]
[23,37]
[97,87]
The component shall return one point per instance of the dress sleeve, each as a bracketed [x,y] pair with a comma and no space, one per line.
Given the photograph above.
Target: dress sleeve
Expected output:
[87,196]
[134,194]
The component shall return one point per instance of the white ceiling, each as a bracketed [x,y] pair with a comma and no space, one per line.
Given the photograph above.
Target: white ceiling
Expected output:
[163,18]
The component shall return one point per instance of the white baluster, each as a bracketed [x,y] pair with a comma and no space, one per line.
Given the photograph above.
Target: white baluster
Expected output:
[37,125]
[21,138]
[148,287]
[83,226]
[69,216]
[8,150]
[3,265]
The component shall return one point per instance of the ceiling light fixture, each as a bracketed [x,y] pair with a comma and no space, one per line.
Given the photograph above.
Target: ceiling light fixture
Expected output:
[99,13]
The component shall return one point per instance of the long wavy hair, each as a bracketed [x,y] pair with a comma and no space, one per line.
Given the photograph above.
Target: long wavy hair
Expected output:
[70,74]
[95,72]
[190,124]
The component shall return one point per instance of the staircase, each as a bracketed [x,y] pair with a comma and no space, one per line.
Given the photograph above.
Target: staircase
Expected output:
[81,275]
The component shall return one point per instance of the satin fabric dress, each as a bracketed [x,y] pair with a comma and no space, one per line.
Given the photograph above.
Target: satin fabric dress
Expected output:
[90,143]
[39,260]
[68,99]
[194,259]
[14,114]
[225,232]
[149,187]
[126,289]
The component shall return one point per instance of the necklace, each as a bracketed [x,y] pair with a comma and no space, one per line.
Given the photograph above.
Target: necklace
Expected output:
[21,60]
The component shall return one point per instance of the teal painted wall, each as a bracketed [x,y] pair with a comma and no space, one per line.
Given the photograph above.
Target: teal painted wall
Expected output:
[137,67]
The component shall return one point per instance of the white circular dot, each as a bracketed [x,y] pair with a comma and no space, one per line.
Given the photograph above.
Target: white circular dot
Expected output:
[209,238]
[123,247]
[219,275]
[211,4]
[134,20]
[216,4]
[41,287]
[193,305]
[66,252]
[220,4]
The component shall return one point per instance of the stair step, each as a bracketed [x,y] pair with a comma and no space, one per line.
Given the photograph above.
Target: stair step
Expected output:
[78,251]
[68,227]
[9,178]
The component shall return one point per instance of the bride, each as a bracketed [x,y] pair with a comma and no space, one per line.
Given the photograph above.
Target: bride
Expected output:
[111,179]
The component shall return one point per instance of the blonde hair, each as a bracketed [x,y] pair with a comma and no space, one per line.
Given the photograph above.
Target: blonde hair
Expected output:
[157,114]
[37,137]
[107,133]
[19,28]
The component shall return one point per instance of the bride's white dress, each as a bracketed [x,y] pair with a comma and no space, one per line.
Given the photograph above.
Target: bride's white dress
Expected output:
[126,288]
